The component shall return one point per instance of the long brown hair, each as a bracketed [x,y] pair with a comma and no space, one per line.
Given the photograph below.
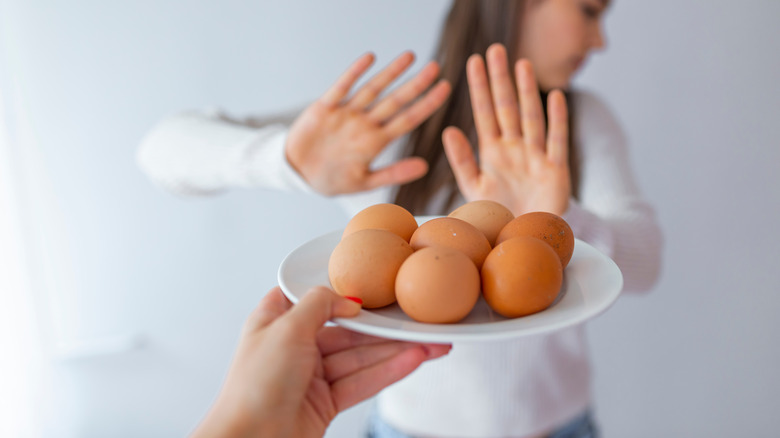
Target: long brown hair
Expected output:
[470,27]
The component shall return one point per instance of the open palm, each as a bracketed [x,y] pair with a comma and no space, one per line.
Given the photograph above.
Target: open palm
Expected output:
[521,164]
[334,141]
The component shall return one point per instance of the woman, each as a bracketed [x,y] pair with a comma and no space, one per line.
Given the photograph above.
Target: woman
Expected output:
[362,145]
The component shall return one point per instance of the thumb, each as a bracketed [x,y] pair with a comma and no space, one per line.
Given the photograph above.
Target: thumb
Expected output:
[462,161]
[317,306]
[273,305]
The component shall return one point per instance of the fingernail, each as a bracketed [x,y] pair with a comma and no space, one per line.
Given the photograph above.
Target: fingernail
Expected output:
[355,299]
[437,353]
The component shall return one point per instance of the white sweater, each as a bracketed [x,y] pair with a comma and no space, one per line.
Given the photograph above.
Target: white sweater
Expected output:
[515,388]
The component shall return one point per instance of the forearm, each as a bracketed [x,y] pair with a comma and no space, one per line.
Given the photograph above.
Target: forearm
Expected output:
[230,417]
[202,154]
[221,424]
[630,236]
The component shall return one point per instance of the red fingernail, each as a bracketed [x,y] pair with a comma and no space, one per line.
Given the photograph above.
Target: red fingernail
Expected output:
[355,299]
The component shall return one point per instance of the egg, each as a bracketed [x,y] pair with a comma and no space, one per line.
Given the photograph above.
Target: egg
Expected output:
[389,217]
[549,227]
[488,216]
[521,276]
[437,285]
[453,233]
[364,264]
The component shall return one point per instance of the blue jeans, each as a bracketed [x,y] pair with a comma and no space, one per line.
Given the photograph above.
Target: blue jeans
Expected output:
[581,426]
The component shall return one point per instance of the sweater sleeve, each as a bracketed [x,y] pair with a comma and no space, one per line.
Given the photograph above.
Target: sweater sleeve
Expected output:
[611,213]
[204,153]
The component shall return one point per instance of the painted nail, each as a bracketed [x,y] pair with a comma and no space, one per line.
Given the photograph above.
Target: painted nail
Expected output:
[355,299]
[432,354]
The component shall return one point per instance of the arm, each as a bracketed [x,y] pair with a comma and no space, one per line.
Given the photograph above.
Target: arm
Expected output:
[612,214]
[524,165]
[290,376]
[329,148]
[203,153]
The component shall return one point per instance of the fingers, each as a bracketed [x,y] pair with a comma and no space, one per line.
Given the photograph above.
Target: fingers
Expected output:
[481,102]
[402,110]
[334,339]
[506,107]
[367,382]
[414,115]
[406,93]
[341,364]
[400,172]
[347,80]
[316,307]
[532,116]
[461,157]
[373,88]
[346,362]
[558,137]
[273,305]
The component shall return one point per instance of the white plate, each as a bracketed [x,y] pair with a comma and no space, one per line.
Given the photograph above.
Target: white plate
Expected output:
[591,283]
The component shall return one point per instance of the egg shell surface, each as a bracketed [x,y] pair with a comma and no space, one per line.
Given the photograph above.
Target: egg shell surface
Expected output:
[387,216]
[437,285]
[521,276]
[364,264]
[490,217]
[549,227]
[452,233]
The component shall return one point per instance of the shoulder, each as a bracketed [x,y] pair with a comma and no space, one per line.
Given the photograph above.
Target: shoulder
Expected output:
[593,117]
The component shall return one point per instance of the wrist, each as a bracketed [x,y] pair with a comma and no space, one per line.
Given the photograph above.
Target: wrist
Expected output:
[230,421]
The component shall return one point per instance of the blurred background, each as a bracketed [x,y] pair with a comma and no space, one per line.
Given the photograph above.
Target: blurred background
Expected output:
[120,304]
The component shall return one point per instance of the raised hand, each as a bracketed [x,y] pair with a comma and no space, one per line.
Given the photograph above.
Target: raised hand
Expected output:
[334,141]
[522,164]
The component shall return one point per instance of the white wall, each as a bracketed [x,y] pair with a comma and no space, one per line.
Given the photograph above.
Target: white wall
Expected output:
[121,261]
[696,85]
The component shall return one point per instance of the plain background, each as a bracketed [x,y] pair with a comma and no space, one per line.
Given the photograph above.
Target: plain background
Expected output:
[141,294]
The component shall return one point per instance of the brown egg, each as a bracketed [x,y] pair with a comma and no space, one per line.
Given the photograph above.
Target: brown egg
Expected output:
[437,285]
[452,233]
[364,265]
[384,217]
[488,216]
[521,276]
[549,227]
